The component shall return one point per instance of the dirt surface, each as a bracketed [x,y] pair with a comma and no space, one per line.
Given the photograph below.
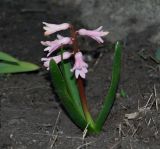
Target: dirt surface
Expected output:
[31,117]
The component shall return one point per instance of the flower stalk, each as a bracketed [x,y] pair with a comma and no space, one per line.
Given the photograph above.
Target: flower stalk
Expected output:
[80,82]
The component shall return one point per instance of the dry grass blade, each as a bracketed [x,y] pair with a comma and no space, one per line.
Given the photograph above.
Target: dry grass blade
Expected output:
[54,137]
[85,131]
[116,145]
[85,145]
[156,98]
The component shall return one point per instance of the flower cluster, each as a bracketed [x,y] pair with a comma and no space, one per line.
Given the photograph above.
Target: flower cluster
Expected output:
[80,67]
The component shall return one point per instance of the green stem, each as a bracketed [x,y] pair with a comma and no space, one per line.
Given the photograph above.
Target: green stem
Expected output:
[84,104]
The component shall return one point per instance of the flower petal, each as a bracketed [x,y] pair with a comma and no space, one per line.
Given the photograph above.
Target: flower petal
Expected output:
[82,74]
[52,28]
[94,34]
[80,67]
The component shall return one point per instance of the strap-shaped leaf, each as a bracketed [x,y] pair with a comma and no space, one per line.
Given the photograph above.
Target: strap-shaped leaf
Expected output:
[61,89]
[21,66]
[71,83]
[109,99]
[7,57]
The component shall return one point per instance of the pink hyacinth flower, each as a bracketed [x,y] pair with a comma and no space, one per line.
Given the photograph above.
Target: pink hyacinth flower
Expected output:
[57,59]
[54,45]
[52,28]
[80,67]
[94,34]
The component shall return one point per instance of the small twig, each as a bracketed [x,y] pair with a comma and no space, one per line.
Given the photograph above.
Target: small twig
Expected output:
[85,131]
[53,136]
[54,140]
[150,67]
[135,130]
[131,126]
[155,95]
[120,129]
[138,105]
[148,100]
[124,107]
[152,103]
[115,145]
[86,144]
[155,91]
[121,132]
[149,122]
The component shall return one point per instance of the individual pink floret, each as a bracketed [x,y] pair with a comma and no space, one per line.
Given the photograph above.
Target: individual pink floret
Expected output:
[80,67]
[57,59]
[54,45]
[52,28]
[94,34]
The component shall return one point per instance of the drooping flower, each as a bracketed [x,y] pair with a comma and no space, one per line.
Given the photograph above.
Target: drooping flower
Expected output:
[54,45]
[80,67]
[94,34]
[57,59]
[52,28]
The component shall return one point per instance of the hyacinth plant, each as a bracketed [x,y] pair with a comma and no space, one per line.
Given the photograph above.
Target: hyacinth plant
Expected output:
[68,80]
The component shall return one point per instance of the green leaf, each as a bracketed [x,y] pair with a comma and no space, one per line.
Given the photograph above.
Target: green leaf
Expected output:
[16,68]
[74,93]
[109,99]
[71,83]
[59,84]
[7,57]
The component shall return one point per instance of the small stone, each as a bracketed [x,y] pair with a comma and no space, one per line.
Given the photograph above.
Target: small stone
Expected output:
[132,115]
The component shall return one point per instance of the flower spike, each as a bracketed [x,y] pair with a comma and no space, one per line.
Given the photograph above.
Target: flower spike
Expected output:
[94,34]
[57,59]
[71,92]
[52,28]
[80,67]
